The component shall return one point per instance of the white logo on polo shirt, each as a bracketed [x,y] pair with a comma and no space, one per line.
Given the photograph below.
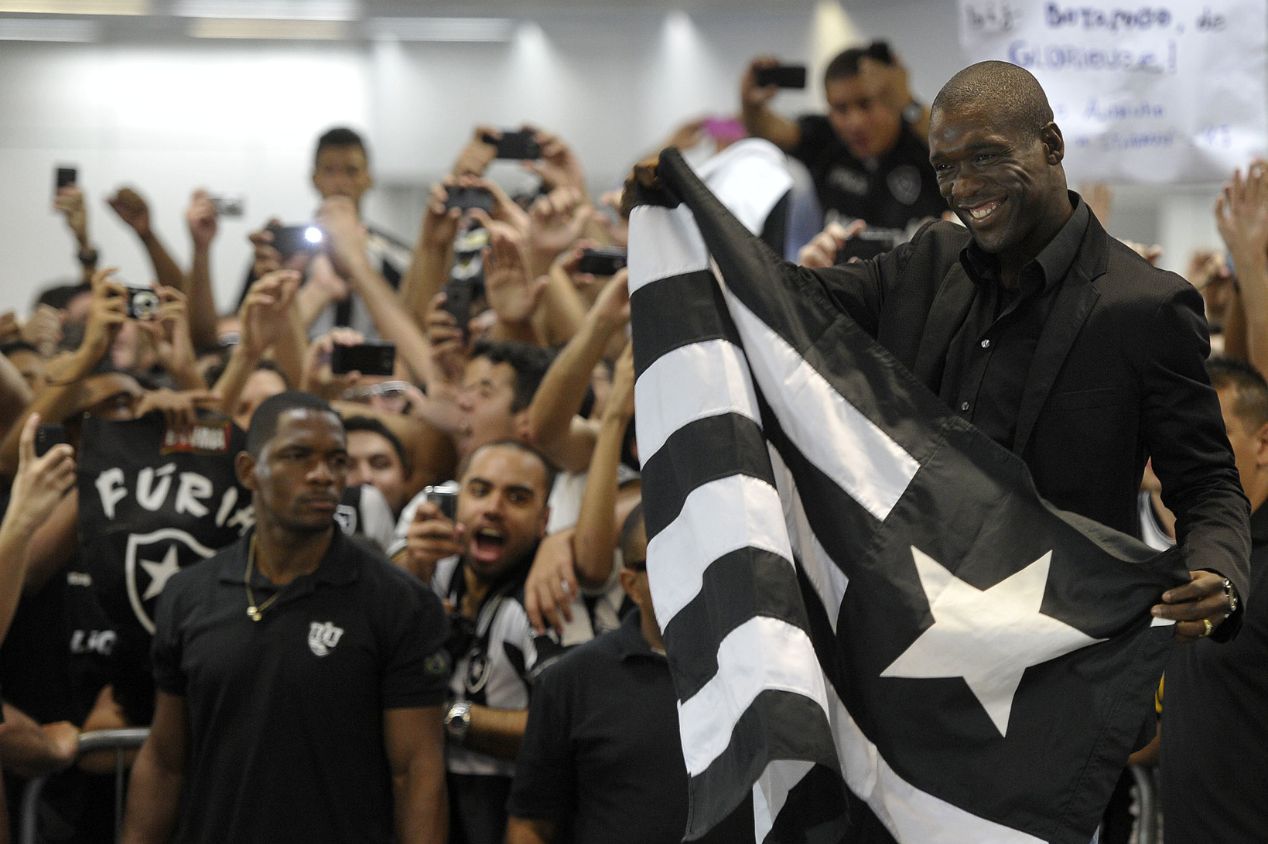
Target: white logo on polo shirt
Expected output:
[323,636]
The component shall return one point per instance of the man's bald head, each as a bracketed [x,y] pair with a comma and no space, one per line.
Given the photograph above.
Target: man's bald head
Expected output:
[997,156]
[1013,95]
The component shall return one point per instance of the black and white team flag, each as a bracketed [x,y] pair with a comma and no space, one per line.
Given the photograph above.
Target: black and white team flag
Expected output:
[152,503]
[872,619]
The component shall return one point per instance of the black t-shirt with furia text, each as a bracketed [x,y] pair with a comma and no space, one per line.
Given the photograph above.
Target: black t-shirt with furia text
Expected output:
[892,192]
[286,714]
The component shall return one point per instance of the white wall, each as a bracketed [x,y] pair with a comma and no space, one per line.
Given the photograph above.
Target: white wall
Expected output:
[232,119]
[241,118]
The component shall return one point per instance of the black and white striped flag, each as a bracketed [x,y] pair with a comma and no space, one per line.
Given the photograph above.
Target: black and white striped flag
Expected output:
[872,619]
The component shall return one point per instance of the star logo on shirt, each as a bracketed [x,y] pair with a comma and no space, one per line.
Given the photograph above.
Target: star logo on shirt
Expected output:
[160,572]
[989,637]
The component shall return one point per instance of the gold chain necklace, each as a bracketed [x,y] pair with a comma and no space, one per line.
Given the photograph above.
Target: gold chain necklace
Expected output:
[255,612]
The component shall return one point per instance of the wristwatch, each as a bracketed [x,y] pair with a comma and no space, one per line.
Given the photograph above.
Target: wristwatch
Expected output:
[458,720]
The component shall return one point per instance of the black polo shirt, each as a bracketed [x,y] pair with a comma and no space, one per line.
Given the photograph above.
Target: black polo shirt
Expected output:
[988,361]
[891,192]
[602,755]
[1214,769]
[286,714]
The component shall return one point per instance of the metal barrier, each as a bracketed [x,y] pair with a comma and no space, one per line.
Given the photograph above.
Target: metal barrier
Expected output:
[1148,827]
[120,741]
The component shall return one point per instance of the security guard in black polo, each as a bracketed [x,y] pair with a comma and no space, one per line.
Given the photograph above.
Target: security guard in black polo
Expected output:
[300,675]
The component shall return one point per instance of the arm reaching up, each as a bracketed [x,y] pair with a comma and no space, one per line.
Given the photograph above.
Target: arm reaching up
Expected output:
[201,219]
[38,486]
[134,211]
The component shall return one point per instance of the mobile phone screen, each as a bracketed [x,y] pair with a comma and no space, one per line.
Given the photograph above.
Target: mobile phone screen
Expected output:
[65,177]
[782,76]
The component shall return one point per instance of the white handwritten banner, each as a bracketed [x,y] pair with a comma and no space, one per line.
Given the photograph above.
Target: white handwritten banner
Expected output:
[1161,92]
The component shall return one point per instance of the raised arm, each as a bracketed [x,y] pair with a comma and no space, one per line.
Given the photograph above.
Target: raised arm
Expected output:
[106,314]
[594,540]
[338,218]
[513,293]
[134,211]
[1241,212]
[556,402]
[69,202]
[263,318]
[37,488]
[200,217]
[429,266]
[755,108]
[170,331]
[15,394]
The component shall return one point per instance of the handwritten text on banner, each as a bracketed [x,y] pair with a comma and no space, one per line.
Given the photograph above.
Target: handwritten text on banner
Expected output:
[1161,92]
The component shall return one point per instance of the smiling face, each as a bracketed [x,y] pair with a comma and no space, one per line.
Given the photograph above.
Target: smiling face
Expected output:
[502,506]
[301,472]
[1005,183]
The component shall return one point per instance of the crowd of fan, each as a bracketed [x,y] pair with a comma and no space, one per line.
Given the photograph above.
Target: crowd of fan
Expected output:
[501,336]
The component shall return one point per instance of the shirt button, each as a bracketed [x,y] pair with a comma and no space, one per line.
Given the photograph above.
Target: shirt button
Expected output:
[964,406]
[986,344]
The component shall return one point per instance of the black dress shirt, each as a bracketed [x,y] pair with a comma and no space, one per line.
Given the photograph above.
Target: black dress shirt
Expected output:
[989,357]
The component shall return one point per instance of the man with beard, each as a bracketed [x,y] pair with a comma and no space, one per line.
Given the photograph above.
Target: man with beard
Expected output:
[480,560]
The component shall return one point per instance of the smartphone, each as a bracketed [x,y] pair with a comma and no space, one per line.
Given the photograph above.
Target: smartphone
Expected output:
[601,261]
[459,294]
[143,302]
[47,436]
[466,198]
[518,145]
[292,240]
[366,358]
[466,275]
[866,244]
[64,177]
[782,76]
[445,497]
[229,206]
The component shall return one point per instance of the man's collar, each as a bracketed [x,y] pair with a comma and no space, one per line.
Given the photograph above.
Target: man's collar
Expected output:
[628,638]
[337,566]
[1053,261]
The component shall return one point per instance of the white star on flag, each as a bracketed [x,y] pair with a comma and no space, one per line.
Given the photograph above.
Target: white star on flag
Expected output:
[987,636]
[160,573]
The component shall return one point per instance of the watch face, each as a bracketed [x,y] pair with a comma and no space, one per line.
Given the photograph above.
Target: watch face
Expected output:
[458,719]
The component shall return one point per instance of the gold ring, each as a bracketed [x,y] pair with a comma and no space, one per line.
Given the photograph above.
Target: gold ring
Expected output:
[1207,627]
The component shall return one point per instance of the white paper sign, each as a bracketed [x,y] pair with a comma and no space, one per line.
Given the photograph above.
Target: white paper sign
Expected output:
[1156,91]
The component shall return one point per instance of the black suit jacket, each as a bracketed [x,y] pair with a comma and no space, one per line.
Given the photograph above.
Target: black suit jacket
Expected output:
[1118,376]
